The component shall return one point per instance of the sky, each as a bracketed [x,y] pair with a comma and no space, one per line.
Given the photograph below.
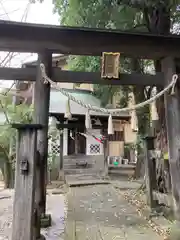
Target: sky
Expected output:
[37,13]
[21,10]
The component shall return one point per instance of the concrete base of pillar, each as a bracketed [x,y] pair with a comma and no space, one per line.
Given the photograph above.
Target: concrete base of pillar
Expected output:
[61,176]
[105,176]
[105,173]
[46,220]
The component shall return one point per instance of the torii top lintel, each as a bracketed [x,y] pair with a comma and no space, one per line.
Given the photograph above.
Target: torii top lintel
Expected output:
[26,37]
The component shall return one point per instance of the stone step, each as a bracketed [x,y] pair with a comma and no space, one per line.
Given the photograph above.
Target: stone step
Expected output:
[82,171]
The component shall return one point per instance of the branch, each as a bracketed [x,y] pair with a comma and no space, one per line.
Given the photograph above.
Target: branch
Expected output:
[2,148]
[137,26]
[146,17]
[3,108]
[139,4]
[148,92]
[8,90]
[4,111]
[8,58]
[21,93]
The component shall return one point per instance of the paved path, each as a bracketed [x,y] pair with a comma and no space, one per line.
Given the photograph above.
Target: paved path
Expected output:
[85,179]
[55,206]
[98,213]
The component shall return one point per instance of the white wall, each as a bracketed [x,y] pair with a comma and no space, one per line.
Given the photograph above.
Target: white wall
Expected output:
[93,147]
[65,142]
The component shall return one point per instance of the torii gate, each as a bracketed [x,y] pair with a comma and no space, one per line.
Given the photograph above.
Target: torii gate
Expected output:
[46,40]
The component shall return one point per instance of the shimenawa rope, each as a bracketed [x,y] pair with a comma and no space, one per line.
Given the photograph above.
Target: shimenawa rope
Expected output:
[171,86]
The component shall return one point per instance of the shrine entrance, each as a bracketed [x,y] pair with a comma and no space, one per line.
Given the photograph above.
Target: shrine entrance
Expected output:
[81,144]
[32,150]
[80,141]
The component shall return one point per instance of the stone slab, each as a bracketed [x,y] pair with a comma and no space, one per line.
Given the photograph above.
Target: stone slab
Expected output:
[99,213]
[83,180]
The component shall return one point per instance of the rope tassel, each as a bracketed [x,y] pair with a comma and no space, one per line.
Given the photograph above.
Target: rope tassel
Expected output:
[134,123]
[154,113]
[53,122]
[68,114]
[110,125]
[88,124]
[171,86]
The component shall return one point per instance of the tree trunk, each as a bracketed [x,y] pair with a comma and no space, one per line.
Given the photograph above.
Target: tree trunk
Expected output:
[8,174]
[158,22]
[7,169]
[142,114]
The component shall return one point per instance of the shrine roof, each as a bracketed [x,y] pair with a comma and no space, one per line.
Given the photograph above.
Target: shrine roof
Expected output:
[28,37]
[58,103]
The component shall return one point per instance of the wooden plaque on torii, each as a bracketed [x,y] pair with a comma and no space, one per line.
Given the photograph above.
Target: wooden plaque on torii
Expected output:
[110,65]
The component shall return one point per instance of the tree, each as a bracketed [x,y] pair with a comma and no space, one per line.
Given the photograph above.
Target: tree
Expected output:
[154,16]
[105,14]
[13,114]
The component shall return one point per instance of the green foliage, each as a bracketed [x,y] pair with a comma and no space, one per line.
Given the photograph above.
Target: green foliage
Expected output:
[99,14]
[132,15]
[51,160]
[83,63]
[13,114]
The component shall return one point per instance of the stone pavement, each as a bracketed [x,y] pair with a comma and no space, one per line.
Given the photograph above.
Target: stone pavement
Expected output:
[56,206]
[98,213]
[77,180]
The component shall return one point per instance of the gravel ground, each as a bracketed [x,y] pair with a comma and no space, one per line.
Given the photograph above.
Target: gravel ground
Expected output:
[55,206]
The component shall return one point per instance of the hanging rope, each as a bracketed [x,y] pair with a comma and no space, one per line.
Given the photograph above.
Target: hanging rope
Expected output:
[104,110]
[98,139]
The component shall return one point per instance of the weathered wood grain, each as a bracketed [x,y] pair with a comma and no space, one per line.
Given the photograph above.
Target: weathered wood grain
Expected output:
[172,113]
[58,75]
[61,157]
[41,116]
[23,208]
[149,170]
[86,41]
[106,154]
[163,198]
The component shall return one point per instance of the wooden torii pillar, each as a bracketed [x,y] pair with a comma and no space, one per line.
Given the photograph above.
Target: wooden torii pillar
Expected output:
[41,116]
[61,156]
[172,110]
[25,220]
[106,155]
